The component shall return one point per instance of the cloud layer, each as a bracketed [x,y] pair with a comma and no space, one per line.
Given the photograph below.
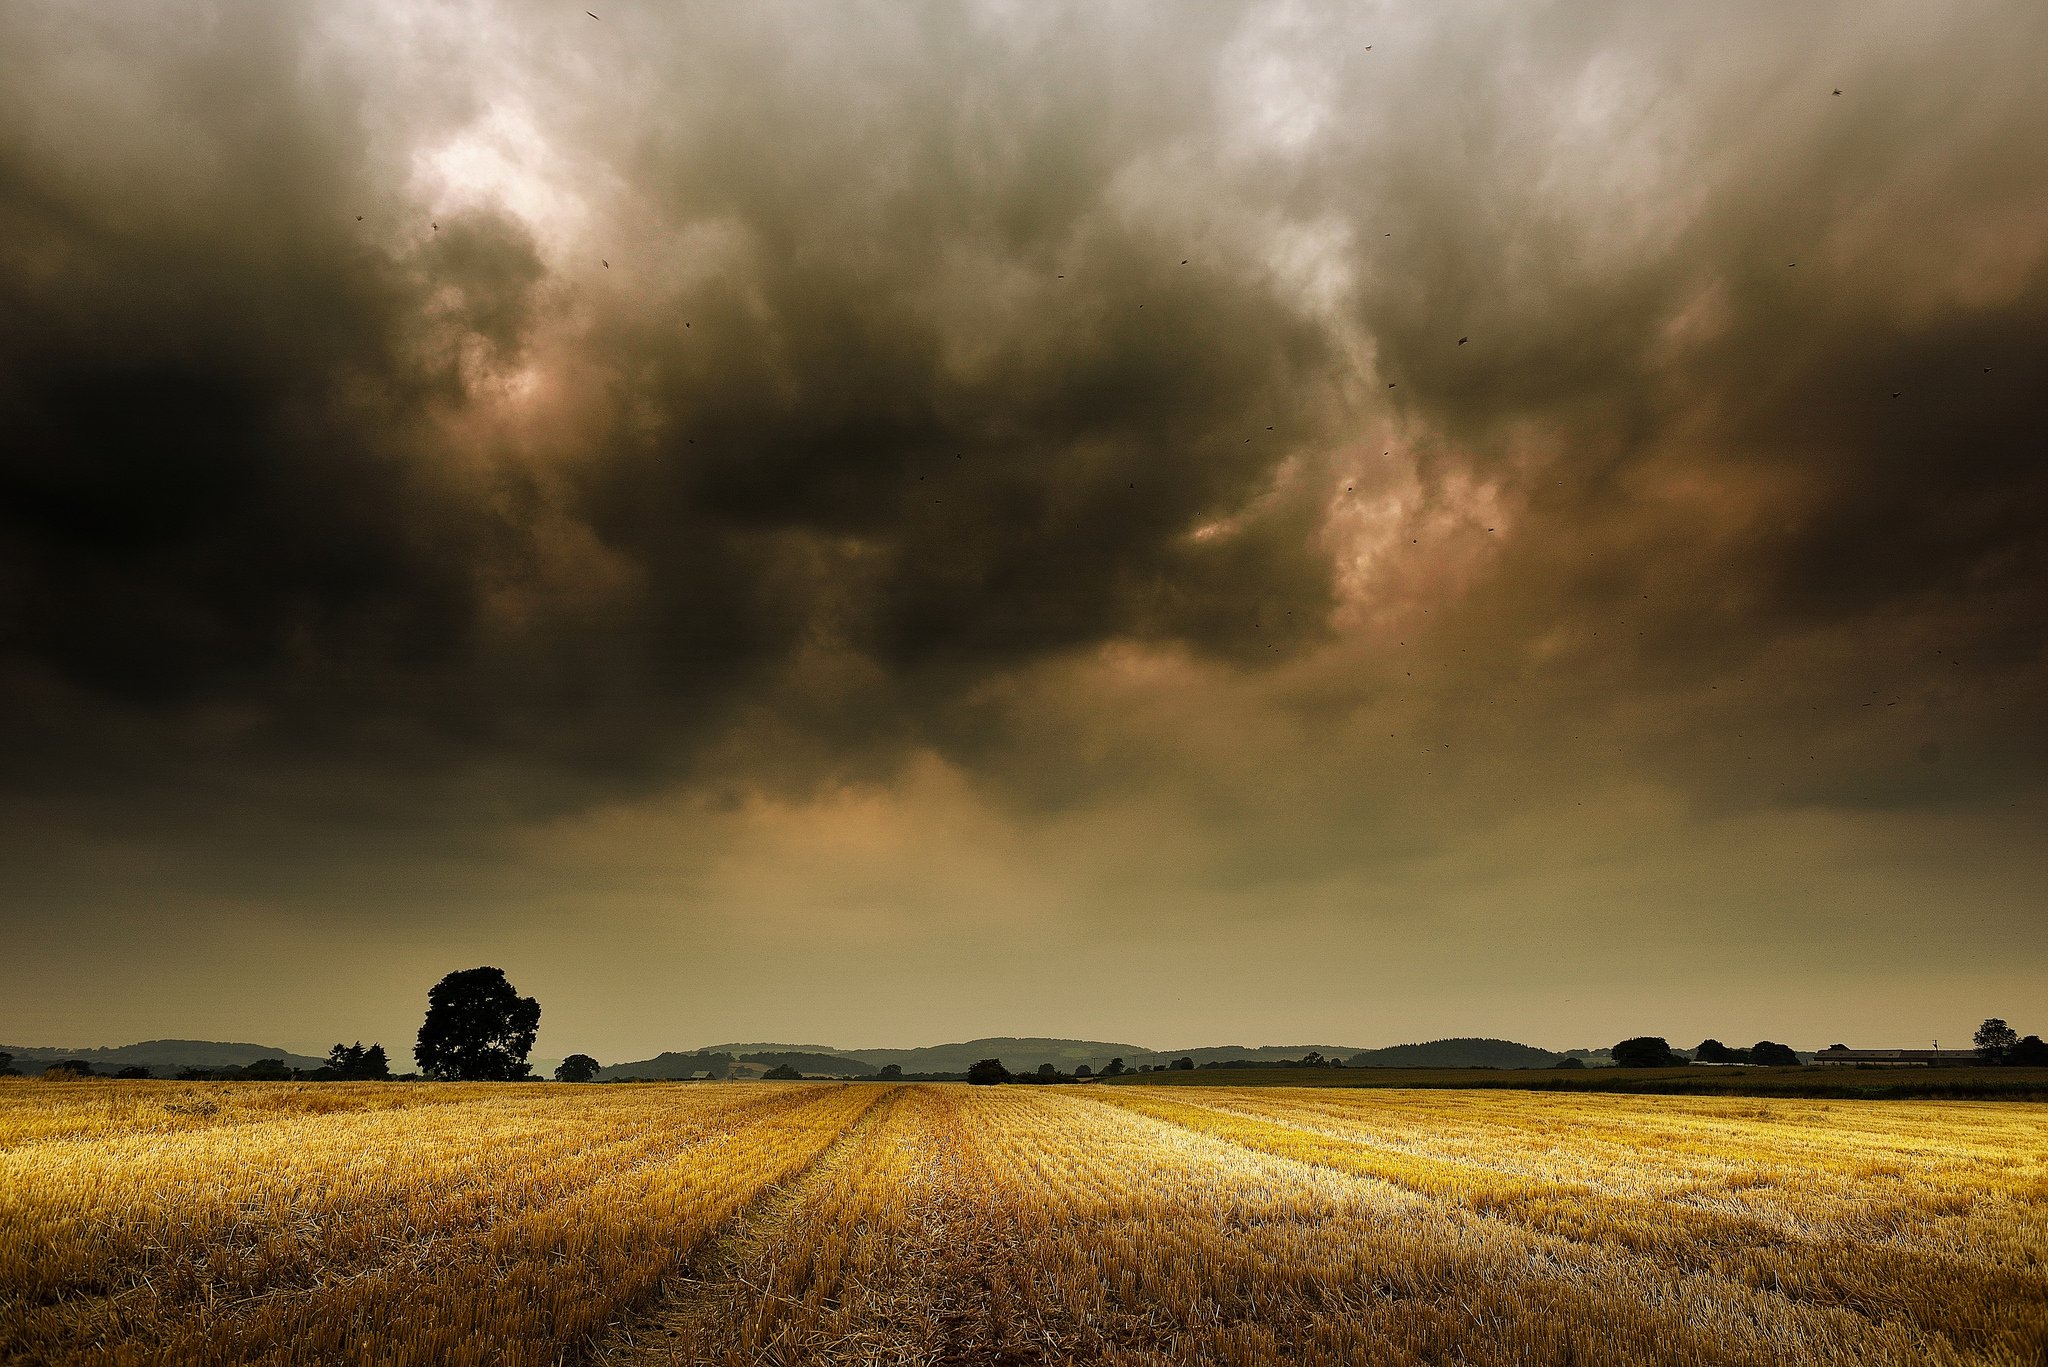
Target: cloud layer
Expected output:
[1347,449]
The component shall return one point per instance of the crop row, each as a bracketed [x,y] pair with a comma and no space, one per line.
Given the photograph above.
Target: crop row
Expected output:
[498,1229]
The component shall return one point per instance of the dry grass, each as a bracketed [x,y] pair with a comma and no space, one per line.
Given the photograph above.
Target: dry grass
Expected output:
[314,1224]
[1869,1082]
[813,1223]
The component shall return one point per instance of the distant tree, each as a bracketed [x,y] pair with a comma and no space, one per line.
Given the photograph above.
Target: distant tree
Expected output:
[891,1072]
[1645,1051]
[577,1068]
[7,1065]
[1765,1054]
[1186,1065]
[133,1070]
[354,1063]
[1084,1071]
[70,1067]
[1570,1062]
[2028,1053]
[1995,1039]
[1115,1069]
[267,1070]
[195,1075]
[1312,1059]
[478,1029]
[988,1072]
[1713,1051]
[782,1072]
[1048,1071]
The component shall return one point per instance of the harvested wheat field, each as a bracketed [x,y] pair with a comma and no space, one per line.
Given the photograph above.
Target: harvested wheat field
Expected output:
[863,1223]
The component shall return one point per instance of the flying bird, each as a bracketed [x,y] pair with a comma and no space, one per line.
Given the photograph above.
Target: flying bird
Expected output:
[437,227]
[359,218]
[1838,91]
[1463,340]
[591,15]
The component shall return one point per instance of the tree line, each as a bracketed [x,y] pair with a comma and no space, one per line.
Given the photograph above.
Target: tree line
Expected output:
[479,1029]
[1997,1043]
[1650,1051]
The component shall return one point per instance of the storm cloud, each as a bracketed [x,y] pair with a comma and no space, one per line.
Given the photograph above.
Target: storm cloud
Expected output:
[1211,466]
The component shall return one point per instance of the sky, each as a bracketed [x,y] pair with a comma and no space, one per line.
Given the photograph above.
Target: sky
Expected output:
[874,524]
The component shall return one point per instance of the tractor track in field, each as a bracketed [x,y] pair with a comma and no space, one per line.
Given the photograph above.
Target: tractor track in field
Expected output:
[1736,1238]
[709,1286]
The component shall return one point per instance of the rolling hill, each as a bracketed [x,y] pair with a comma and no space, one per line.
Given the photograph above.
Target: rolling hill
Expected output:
[163,1057]
[1455,1053]
[1023,1054]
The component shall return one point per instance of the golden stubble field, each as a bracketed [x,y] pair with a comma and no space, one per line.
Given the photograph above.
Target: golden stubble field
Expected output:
[863,1223]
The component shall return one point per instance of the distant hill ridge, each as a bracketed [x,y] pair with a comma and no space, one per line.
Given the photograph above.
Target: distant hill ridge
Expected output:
[1455,1053]
[1027,1054]
[1018,1053]
[161,1054]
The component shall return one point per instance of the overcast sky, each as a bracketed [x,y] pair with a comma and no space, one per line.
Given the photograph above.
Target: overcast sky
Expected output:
[877,524]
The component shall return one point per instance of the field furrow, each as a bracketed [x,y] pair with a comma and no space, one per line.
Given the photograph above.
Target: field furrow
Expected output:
[1990,1295]
[808,1224]
[527,1221]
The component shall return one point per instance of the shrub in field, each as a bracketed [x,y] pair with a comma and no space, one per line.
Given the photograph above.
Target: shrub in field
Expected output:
[988,1072]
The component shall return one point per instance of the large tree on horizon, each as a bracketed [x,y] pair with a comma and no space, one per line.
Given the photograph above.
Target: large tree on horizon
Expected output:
[1994,1040]
[478,1029]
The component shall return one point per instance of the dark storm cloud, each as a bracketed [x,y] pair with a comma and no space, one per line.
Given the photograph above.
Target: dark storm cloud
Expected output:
[895,351]
[205,498]
[222,490]
[1758,399]
[864,500]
